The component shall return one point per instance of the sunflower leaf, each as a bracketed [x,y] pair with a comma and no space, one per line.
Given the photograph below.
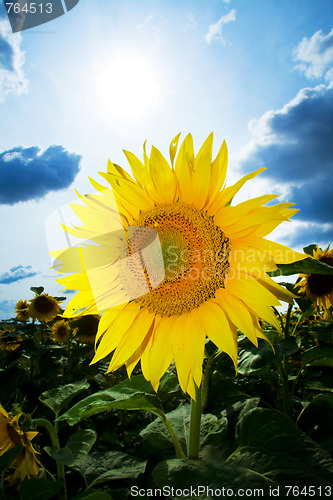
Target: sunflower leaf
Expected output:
[309,249]
[37,289]
[40,489]
[305,266]
[272,445]
[112,465]
[76,449]
[56,399]
[134,394]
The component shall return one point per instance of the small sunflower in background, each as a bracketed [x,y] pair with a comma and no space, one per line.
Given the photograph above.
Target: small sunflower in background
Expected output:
[319,287]
[43,307]
[86,328]
[11,434]
[22,311]
[9,340]
[60,331]
[215,260]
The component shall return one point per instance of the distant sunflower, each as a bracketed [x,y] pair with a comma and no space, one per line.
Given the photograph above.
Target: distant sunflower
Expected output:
[43,307]
[21,309]
[215,260]
[87,328]
[8,340]
[26,464]
[60,331]
[319,287]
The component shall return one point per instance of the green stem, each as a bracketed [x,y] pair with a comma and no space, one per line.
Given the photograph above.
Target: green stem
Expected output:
[175,440]
[42,331]
[2,485]
[205,380]
[196,411]
[42,422]
[285,367]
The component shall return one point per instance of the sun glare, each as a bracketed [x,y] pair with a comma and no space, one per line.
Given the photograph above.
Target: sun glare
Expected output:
[126,86]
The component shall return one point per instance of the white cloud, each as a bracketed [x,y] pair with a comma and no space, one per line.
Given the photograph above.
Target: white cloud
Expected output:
[12,78]
[316,55]
[215,30]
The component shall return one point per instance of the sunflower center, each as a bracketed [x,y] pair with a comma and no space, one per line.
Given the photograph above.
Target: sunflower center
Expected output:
[43,304]
[195,255]
[321,284]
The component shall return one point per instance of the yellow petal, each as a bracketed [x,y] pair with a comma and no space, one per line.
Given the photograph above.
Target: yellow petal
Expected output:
[218,173]
[173,148]
[227,194]
[131,340]
[163,177]
[218,329]
[246,288]
[158,356]
[116,331]
[184,169]
[202,173]
[237,313]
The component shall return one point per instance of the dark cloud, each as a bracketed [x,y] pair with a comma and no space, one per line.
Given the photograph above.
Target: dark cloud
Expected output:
[17,273]
[30,173]
[296,145]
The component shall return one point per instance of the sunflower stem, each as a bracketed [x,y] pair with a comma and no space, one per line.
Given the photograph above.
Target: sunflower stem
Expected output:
[205,381]
[195,423]
[42,422]
[175,440]
[285,371]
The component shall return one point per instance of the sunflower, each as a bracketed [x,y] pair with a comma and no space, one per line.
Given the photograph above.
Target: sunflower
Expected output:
[171,262]
[8,340]
[26,464]
[319,287]
[60,331]
[87,328]
[21,309]
[43,307]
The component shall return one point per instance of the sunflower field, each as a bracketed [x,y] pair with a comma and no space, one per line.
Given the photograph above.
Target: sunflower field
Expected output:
[193,384]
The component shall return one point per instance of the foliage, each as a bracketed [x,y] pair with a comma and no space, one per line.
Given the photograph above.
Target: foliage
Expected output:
[267,427]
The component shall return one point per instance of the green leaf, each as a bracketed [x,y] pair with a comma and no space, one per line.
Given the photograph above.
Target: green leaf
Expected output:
[305,266]
[100,467]
[128,395]
[37,289]
[310,249]
[56,399]
[93,495]
[210,473]
[39,489]
[271,444]
[76,449]
[253,360]
[316,355]
[9,456]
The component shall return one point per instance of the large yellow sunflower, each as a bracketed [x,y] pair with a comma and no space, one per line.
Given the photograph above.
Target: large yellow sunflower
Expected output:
[205,274]
[26,464]
[319,287]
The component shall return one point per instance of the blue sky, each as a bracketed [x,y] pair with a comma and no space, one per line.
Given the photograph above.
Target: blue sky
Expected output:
[108,75]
